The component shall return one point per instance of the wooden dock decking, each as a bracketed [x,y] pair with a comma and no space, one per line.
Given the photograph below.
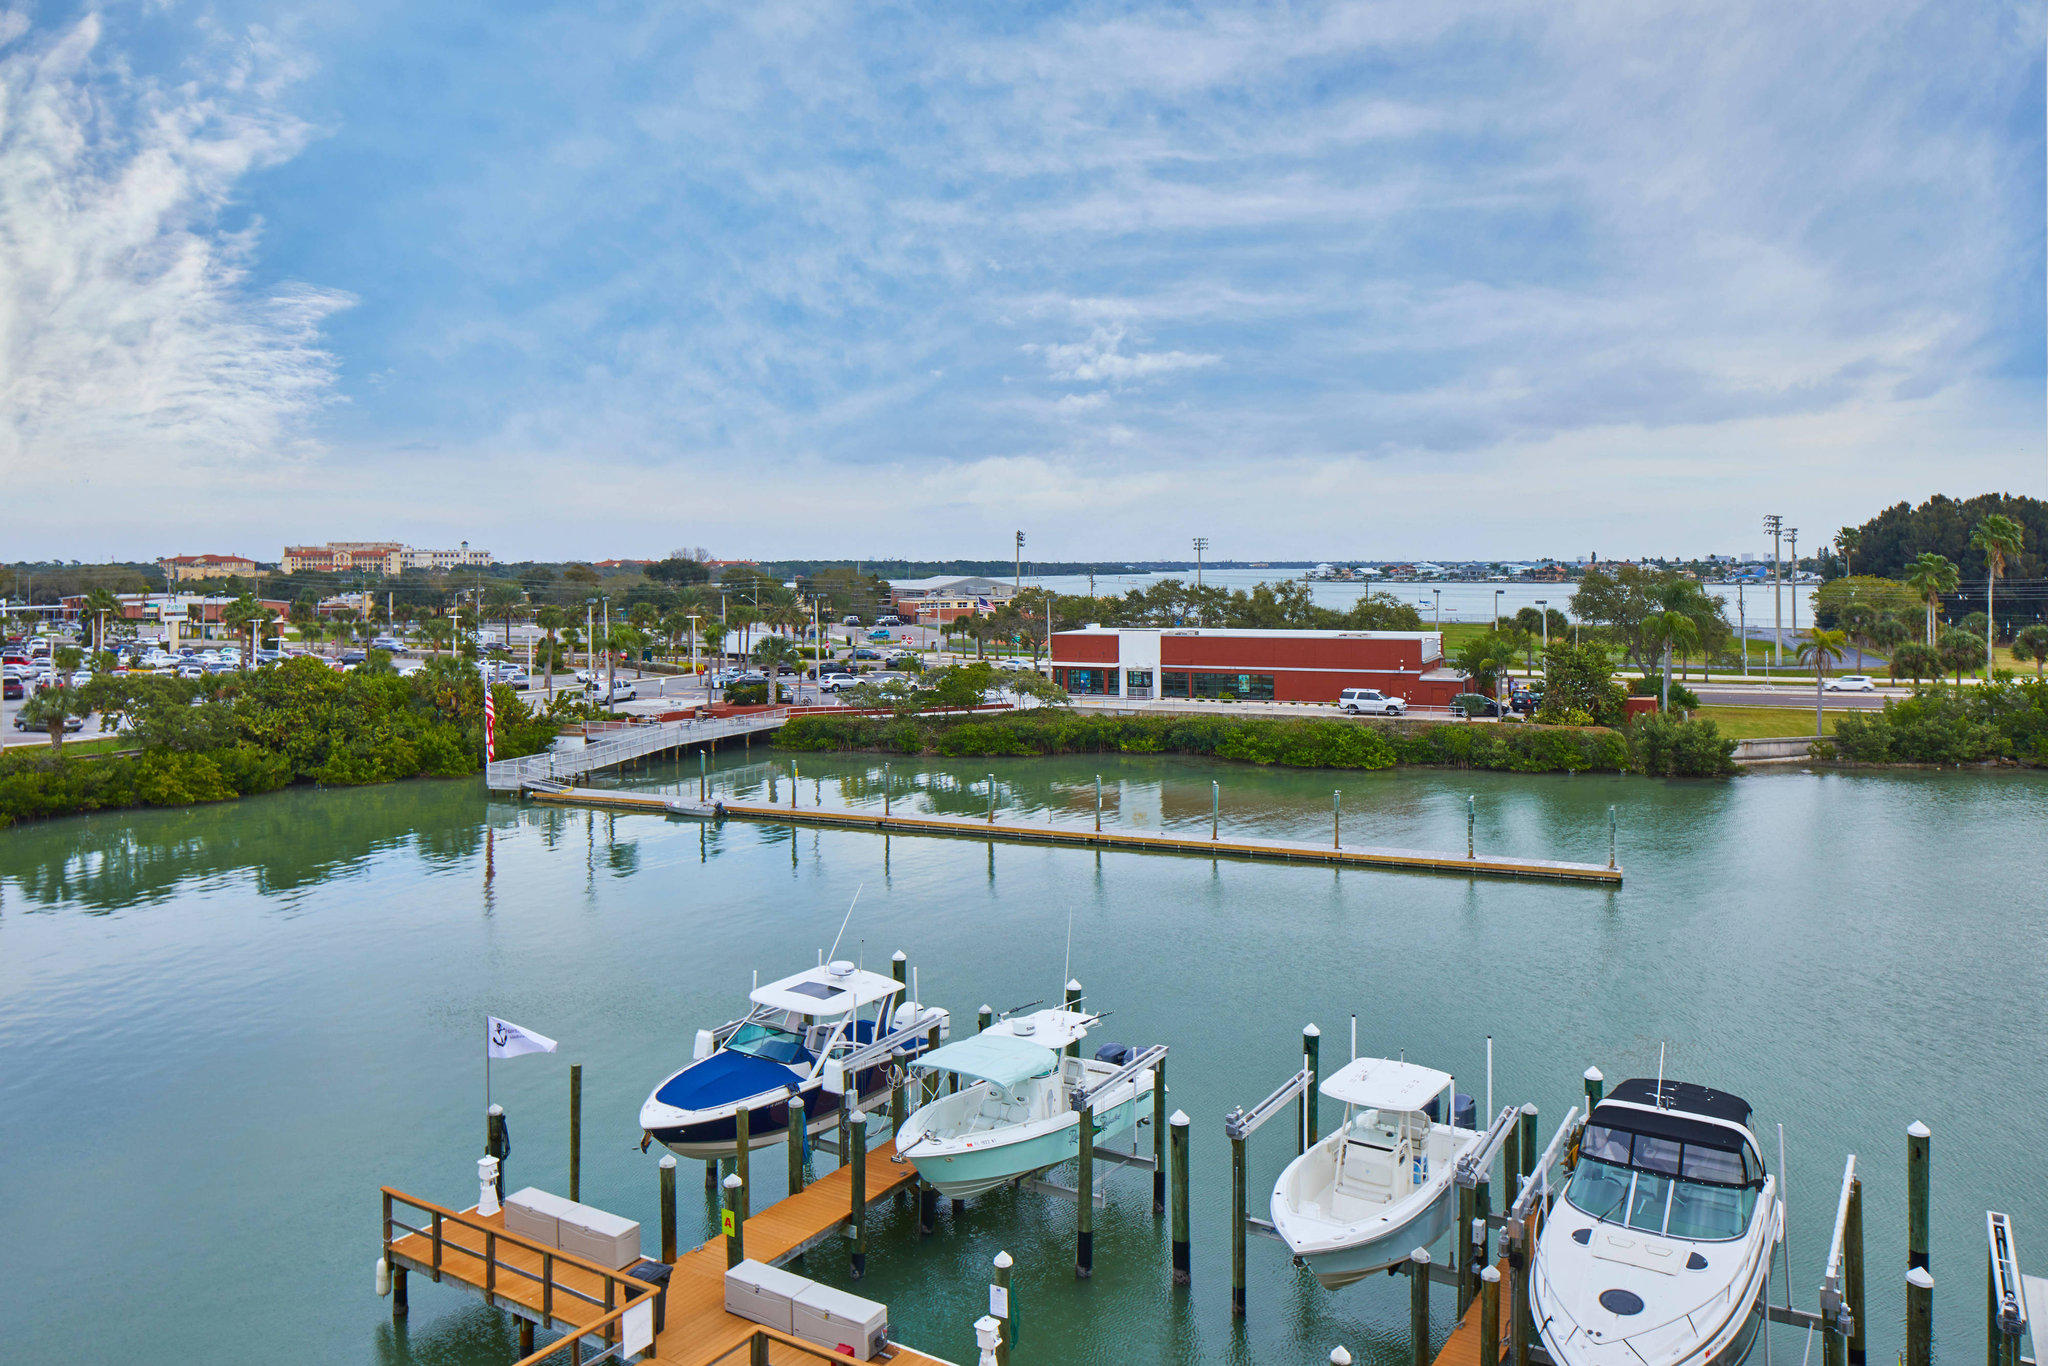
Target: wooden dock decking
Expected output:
[696,1330]
[1009,831]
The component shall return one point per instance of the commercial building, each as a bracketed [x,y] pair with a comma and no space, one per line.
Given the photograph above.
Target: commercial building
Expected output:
[193,568]
[377,557]
[1252,665]
[936,601]
[172,617]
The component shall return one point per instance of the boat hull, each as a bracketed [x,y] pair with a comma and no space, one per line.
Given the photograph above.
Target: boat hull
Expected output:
[1339,1267]
[716,1136]
[973,1171]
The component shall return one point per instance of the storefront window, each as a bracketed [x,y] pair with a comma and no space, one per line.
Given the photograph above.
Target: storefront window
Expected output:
[1137,682]
[1173,685]
[1251,686]
[1090,682]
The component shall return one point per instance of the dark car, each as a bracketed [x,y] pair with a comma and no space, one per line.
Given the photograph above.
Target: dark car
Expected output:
[867,654]
[353,656]
[1525,701]
[70,723]
[1471,704]
[12,688]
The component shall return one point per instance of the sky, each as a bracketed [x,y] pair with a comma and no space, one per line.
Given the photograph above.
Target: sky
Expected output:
[1314,280]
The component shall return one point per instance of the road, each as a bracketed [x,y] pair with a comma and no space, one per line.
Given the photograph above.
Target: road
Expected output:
[1761,695]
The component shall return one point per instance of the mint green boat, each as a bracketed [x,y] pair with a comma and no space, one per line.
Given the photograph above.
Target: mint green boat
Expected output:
[1013,1115]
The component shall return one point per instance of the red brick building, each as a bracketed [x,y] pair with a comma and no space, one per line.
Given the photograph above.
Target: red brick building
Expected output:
[1252,665]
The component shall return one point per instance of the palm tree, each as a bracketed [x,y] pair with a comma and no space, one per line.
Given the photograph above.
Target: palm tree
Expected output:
[1846,541]
[551,619]
[99,605]
[2032,643]
[742,617]
[501,600]
[1931,575]
[1915,661]
[1857,620]
[1887,633]
[1958,651]
[1822,647]
[2000,538]
[1671,626]
[772,654]
[438,631]
[237,616]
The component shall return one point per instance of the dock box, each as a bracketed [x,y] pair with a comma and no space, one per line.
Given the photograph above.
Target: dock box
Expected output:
[834,1319]
[607,1239]
[534,1214]
[761,1294]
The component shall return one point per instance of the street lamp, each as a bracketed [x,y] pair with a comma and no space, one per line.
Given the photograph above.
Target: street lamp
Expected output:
[1776,526]
[1437,595]
[1017,582]
[1496,607]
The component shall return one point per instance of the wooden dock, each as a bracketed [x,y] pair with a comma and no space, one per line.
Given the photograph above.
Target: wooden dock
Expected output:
[1020,832]
[564,1292]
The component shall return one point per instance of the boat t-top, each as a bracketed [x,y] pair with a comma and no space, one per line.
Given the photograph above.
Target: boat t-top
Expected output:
[1014,1114]
[1380,1186]
[1658,1252]
[786,1046]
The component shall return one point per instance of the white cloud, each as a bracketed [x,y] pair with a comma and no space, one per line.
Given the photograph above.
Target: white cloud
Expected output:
[134,342]
[1101,359]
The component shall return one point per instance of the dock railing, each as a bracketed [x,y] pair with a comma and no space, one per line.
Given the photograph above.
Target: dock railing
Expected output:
[630,741]
[475,1252]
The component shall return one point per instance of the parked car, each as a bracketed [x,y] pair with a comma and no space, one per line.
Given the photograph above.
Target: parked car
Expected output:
[1474,704]
[751,678]
[622,690]
[1850,683]
[834,682]
[867,654]
[880,634]
[13,688]
[71,723]
[850,619]
[1370,702]
[890,621]
[387,643]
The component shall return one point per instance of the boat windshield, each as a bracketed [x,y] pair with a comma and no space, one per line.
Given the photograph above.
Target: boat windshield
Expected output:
[1659,1185]
[758,1040]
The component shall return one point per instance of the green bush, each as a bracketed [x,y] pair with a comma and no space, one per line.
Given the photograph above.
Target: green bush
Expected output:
[1942,725]
[1666,748]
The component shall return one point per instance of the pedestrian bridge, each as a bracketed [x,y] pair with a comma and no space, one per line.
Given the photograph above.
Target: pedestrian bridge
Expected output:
[621,744]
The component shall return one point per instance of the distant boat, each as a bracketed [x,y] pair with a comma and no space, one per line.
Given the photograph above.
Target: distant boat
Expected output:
[1369,1194]
[1658,1252]
[781,1049]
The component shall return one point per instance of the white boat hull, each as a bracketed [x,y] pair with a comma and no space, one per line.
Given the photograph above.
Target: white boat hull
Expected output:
[1340,1267]
[999,1157]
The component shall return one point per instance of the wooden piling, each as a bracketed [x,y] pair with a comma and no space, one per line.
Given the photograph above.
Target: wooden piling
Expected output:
[711,1176]
[1073,1002]
[1462,1260]
[1489,1316]
[1098,803]
[495,1144]
[525,1337]
[1237,1184]
[1511,1165]
[668,1207]
[1596,1088]
[1852,1272]
[575,1131]
[857,1126]
[983,1018]
[743,1126]
[799,1123]
[1311,1055]
[1918,1136]
[1177,1130]
[1084,1234]
[1004,1308]
[1530,1152]
[400,1306]
[1418,1304]
[1919,1317]
[1159,1137]
[735,1221]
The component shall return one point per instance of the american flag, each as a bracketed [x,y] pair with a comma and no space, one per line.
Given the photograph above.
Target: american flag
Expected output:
[490,726]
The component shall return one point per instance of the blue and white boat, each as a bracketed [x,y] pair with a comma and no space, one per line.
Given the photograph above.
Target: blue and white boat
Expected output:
[787,1045]
[1014,1115]
[1380,1186]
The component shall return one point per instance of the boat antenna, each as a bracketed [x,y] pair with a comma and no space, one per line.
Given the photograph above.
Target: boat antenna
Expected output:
[831,952]
[1489,1075]
[1354,1036]
[1067,967]
[1785,1236]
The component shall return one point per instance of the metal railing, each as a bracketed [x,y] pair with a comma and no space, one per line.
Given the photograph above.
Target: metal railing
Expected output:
[628,743]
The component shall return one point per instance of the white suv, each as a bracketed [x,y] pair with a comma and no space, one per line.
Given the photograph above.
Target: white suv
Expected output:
[834,682]
[1850,683]
[1370,702]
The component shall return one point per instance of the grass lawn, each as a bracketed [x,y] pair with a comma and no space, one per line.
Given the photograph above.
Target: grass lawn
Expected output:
[106,744]
[1752,723]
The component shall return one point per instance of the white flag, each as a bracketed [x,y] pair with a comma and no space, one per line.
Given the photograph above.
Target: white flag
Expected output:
[503,1039]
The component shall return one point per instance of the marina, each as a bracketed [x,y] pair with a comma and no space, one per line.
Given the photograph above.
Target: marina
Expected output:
[621,936]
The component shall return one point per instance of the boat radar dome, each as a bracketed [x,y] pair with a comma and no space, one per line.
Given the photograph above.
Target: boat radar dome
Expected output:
[840,967]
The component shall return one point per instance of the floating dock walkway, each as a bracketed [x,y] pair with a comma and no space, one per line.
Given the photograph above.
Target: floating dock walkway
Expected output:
[564,1292]
[1020,832]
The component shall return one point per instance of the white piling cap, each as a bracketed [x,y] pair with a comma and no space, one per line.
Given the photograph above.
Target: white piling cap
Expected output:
[1420,1256]
[1004,1261]
[859,1117]
[1920,1278]
[1491,1275]
[1918,1130]
[797,1103]
[496,1110]
[1593,1074]
[1073,985]
[668,1162]
[1529,1107]
[1339,1357]
[1178,1119]
[1309,1031]
[987,1009]
[899,957]
[733,1182]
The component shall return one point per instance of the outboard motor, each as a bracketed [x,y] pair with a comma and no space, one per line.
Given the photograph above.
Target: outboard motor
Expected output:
[1464,1110]
[1116,1054]
[910,1012]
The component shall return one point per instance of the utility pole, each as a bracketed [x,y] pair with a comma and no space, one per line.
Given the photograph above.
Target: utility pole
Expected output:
[1017,582]
[1437,594]
[608,670]
[590,635]
[693,655]
[1201,544]
[1742,628]
[1792,552]
[1776,526]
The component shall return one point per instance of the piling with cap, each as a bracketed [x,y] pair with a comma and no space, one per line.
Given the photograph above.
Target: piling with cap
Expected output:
[1463,1260]
[1215,805]
[1002,1307]
[1418,1304]
[743,1127]
[983,1018]
[1471,820]
[1596,1088]
[1918,1136]
[497,1141]
[1177,1130]
[668,1207]
[799,1126]
[1098,803]
[857,1127]
[899,967]
[735,1221]
[1919,1317]
[1237,1185]
[575,1131]
[1158,1137]
[1336,818]
[1084,1192]
[1852,1271]
[1339,1357]
[1311,1060]
[1073,1002]
[1489,1316]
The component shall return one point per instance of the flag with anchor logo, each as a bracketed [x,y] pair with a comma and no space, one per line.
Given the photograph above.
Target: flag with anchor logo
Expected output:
[503,1039]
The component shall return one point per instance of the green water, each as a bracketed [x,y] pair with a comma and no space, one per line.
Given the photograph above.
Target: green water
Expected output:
[222,1029]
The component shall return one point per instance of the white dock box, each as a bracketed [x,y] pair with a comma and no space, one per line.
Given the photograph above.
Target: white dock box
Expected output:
[607,1239]
[834,1319]
[536,1215]
[761,1294]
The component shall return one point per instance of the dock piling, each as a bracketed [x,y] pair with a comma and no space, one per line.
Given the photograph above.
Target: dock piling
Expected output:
[1489,1316]
[1311,1054]
[1418,1304]
[1511,1165]
[1852,1272]
[743,1126]
[1610,837]
[1001,1308]
[1073,1002]
[1177,1129]
[735,1221]
[495,1144]
[1237,1183]
[1919,1317]
[575,1131]
[1918,1136]
[1158,1138]
[1529,1145]
[799,1126]
[991,799]
[1098,803]
[668,1207]
[1596,1088]
[703,777]
[1084,1197]
[1336,819]
[857,1125]
[1471,822]
[399,1305]
[983,1018]
[1464,1257]
[1215,805]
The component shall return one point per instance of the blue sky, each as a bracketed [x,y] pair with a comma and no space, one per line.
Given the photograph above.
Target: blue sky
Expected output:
[1313,280]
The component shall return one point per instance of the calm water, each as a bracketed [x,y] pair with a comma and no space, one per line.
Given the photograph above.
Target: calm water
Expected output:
[222,1029]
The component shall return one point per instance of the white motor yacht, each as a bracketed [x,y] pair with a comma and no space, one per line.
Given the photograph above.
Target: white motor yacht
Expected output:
[1658,1252]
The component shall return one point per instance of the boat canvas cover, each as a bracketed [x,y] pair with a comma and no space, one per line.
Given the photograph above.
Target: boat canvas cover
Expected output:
[1688,1096]
[723,1078]
[820,991]
[1666,1124]
[1385,1084]
[997,1058]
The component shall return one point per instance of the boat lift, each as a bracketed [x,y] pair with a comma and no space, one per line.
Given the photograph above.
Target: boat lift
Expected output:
[2015,1304]
[1082,1100]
